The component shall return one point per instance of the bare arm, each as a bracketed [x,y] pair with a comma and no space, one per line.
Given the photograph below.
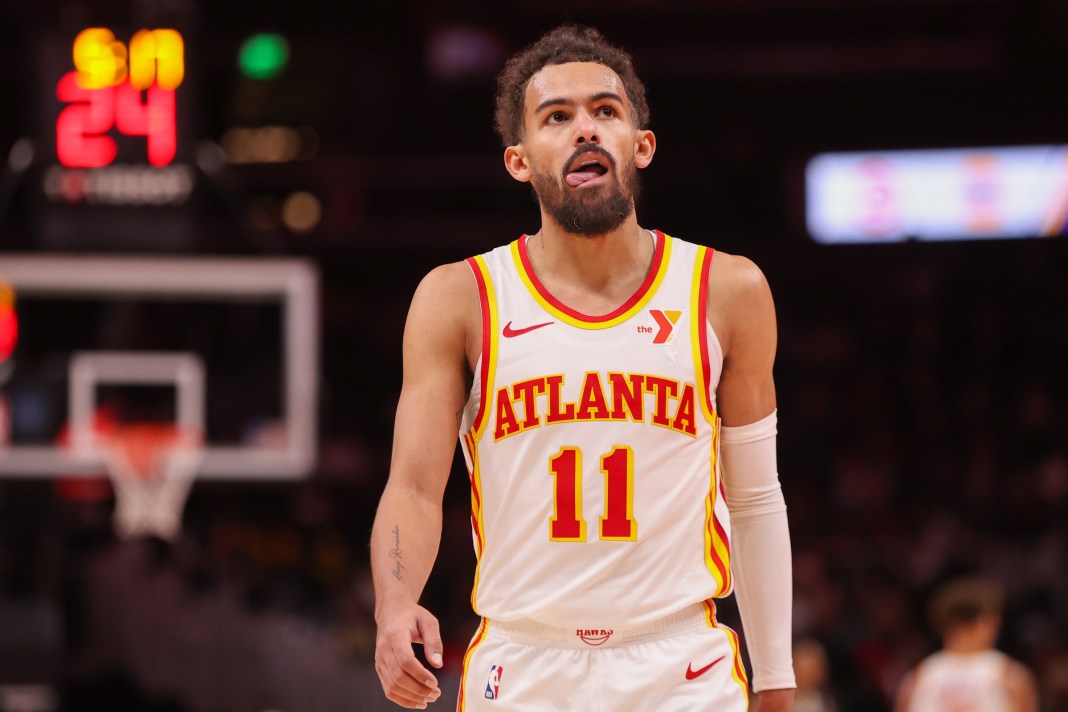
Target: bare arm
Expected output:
[407,528]
[904,693]
[743,315]
[1022,688]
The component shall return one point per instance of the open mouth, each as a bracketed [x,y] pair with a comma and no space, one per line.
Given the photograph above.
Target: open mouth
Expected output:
[586,168]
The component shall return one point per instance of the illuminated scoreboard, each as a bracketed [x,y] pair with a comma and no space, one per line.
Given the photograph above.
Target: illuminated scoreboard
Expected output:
[130,89]
[116,140]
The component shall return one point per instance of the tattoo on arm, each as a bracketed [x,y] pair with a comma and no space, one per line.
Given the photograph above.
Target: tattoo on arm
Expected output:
[395,553]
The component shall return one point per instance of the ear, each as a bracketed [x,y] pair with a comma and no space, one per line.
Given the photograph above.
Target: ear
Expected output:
[515,162]
[644,148]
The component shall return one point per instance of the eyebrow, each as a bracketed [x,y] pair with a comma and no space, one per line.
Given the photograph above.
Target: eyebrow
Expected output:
[568,102]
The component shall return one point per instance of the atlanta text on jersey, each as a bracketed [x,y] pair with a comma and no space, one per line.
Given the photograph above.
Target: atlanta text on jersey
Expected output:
[541,402]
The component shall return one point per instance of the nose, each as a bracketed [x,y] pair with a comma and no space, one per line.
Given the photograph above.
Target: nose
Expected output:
[585,129]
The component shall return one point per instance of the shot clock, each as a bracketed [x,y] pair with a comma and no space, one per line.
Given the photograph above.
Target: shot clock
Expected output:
[115,140]
[130,89]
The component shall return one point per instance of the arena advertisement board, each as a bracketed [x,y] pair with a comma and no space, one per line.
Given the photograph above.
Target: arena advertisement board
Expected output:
[951,194]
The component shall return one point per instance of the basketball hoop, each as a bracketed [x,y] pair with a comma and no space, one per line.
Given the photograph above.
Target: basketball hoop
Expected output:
[152,467]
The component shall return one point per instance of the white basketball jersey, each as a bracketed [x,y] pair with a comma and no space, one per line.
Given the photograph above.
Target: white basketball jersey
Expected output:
[591,444]
[953,682]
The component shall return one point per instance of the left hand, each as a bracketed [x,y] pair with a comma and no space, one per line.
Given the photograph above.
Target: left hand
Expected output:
[774,701]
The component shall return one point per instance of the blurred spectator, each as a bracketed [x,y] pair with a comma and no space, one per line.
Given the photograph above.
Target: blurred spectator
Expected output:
[812,670]
[968,674]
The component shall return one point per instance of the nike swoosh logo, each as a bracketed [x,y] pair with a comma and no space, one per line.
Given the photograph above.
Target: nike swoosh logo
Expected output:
[692,674]
[509,332]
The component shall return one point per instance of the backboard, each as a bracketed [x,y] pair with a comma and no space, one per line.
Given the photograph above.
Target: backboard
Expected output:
[227,347]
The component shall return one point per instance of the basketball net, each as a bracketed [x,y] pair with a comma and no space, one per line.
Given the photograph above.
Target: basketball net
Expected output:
[152,467]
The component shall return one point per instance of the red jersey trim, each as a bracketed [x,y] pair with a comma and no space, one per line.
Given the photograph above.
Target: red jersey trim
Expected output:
[702,333]
[480,635]
[577,318]
[481,272]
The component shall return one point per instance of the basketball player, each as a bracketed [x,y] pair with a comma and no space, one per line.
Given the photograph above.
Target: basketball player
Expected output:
[612,388]
[967,674]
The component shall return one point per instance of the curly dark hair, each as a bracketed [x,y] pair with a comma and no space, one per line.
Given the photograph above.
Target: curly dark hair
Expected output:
[963,601]
[567,43]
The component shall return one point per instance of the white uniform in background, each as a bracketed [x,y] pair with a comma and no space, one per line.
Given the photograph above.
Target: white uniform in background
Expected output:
[962,682]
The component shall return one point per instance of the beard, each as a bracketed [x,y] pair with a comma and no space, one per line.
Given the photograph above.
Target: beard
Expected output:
[591,212]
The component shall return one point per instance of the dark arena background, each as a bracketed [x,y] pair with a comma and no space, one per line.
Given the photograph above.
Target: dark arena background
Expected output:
[262,203]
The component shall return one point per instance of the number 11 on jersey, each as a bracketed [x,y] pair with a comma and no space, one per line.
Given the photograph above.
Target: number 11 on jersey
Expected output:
[618,523]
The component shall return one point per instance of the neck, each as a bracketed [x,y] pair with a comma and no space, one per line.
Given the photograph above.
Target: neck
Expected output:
[594,275]
[594,260]
[968,641]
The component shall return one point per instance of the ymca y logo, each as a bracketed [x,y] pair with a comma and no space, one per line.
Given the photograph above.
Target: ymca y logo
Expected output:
[665,325]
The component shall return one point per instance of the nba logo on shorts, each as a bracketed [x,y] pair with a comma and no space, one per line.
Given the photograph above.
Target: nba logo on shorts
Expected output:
[494,683]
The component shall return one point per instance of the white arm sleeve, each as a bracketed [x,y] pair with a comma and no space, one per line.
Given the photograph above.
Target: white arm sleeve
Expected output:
[760,550]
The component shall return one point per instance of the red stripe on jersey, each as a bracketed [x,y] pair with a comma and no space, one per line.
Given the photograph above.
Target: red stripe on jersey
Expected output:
[475,642]
[722,535]
[721,568]
[650,278]
[739,669]
[487,335]
[714,528]
[702,333]
[476,495]
[710,612]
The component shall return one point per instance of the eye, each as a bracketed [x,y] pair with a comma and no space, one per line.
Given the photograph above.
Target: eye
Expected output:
[606,111]
[556,117]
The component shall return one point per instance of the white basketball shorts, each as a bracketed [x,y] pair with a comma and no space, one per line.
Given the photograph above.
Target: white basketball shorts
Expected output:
[685,662]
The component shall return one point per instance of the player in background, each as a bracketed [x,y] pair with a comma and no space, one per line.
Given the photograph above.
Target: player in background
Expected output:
[967,674]
[813,670]
[612,389]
